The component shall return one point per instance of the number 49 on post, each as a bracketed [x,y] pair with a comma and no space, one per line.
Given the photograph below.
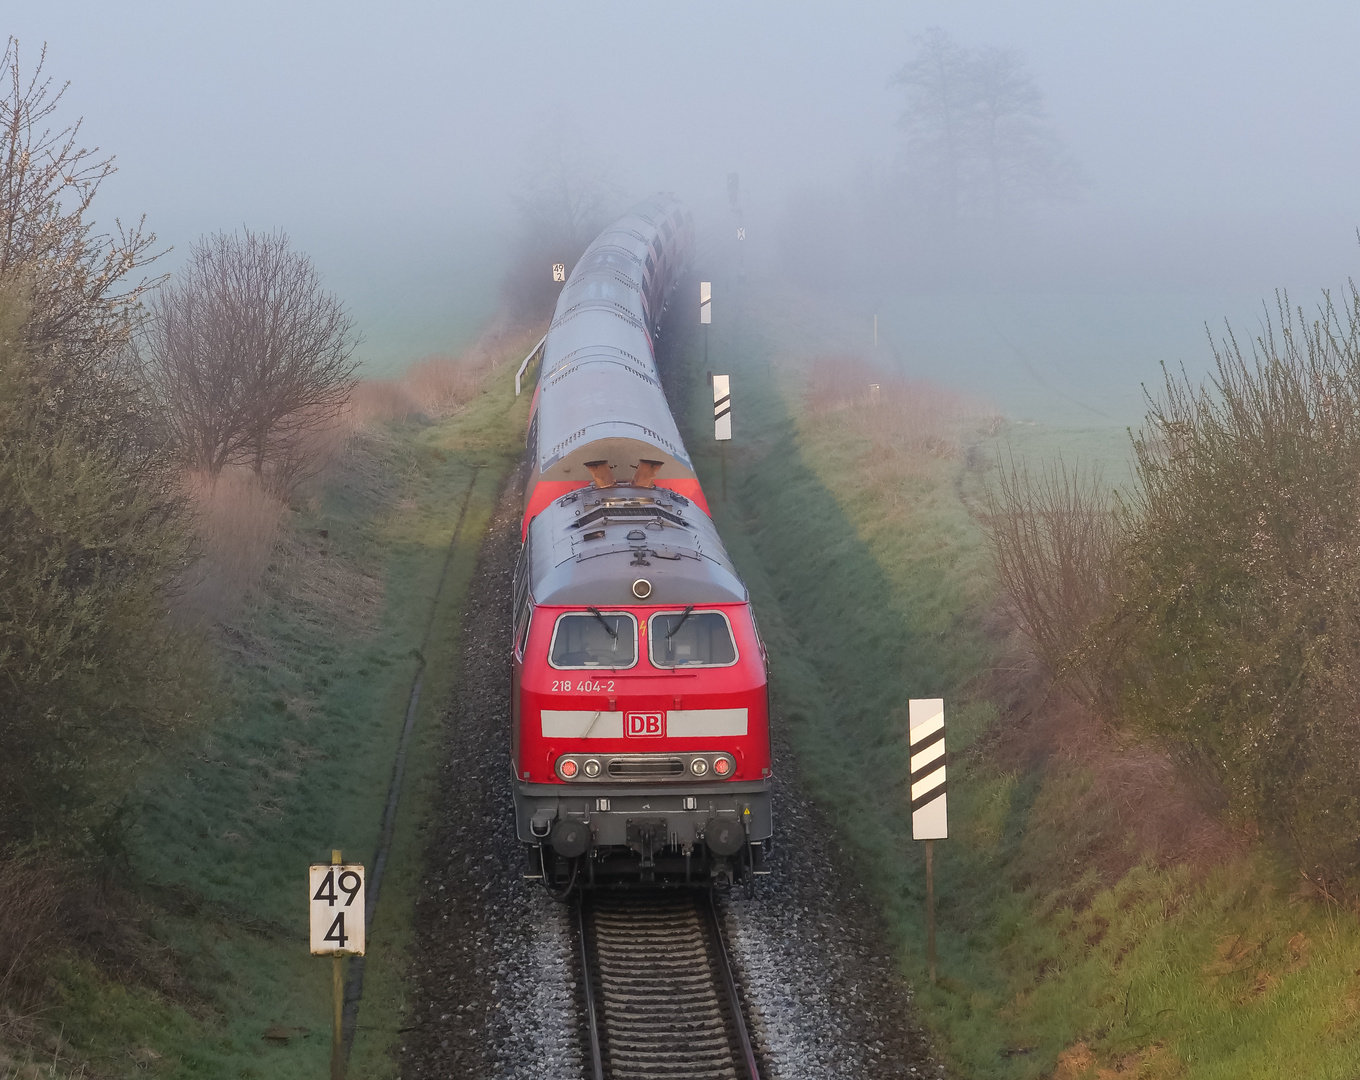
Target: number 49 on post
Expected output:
[337,903]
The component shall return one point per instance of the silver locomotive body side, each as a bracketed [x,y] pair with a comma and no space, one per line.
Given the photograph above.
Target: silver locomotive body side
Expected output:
[599,397]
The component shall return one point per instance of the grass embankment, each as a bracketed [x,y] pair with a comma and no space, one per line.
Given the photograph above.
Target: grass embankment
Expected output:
[1070,945]
[315,689]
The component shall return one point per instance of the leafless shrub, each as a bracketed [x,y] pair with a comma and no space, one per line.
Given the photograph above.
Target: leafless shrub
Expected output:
[237,521]
[1053,535]
[82,297]
[375,400]
[30,900]
[250,357]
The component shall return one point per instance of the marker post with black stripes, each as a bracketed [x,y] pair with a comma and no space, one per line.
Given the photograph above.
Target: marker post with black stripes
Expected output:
[929,816]
[722,420]
[705,312]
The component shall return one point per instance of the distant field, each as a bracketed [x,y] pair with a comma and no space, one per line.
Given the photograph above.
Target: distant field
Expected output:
[1074,359]
[413,296]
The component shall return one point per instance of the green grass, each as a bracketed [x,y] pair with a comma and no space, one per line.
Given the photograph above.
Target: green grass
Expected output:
[313,700]
[871,586]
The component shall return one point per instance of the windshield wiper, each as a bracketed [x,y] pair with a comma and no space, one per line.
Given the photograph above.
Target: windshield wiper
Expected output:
[676,628]
[604,622]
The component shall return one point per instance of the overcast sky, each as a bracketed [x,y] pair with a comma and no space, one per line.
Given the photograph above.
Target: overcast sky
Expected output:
[371,133]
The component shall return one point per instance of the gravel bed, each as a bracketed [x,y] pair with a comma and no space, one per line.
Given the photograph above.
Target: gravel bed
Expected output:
[493,979]
[493,985]
[817,977]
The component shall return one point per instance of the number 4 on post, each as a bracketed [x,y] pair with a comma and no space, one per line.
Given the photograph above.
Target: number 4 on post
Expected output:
[336,898]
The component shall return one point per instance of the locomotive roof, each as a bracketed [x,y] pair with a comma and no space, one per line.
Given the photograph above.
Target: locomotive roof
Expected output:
[588,547]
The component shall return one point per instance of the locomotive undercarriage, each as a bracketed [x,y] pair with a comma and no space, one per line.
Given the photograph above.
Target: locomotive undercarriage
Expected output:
[616,837]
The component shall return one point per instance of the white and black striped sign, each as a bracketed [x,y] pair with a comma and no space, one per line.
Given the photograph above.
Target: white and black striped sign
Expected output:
[929,819]
[705,302]
[722,408]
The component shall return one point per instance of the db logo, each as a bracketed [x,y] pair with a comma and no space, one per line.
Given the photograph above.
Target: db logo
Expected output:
[644,725]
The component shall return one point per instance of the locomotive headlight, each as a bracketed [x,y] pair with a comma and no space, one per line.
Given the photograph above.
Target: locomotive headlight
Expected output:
[722,766]
[591,767]
[567,768]
[699,766]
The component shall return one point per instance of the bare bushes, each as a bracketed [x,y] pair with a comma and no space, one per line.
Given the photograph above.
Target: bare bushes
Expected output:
[910,418]
[30,903]
[1226,617]
[252,361]
[436,386]
[1054,536]
[83,291]
[1243,554]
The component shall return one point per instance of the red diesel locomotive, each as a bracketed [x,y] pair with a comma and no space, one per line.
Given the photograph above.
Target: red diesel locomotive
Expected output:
[640,727]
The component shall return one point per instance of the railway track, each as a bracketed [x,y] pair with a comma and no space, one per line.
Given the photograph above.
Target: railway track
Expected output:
[661,1000]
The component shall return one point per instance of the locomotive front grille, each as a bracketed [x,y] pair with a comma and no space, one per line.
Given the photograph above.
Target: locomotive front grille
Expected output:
[645,768]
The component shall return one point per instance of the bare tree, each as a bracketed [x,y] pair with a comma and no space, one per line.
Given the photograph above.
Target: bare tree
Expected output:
[978,144]
[249,356]
[83,292]
[562,204]
[939,120]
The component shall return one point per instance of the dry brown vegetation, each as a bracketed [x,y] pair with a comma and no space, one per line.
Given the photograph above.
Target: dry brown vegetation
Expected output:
[1115,800]
[240,519]
[436,386]
[48,906]
[236,521]
[911,420]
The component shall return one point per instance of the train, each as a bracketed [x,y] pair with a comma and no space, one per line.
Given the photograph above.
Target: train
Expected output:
[640,721]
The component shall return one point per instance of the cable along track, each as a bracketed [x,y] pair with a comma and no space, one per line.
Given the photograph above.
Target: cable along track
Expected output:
[661,1000]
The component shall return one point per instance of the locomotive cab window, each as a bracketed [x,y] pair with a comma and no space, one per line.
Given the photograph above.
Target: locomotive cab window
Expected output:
[594,639]
[691,639]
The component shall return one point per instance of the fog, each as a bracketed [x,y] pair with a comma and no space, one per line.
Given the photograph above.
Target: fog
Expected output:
[1217,145]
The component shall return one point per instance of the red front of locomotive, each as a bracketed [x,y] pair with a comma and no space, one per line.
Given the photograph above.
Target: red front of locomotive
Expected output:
[641,743]
[700,701]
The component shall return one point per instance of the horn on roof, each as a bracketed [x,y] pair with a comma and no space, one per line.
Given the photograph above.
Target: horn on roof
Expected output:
[602,474]
[645,472]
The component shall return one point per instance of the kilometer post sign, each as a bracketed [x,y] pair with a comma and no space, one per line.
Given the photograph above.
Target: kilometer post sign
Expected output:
[337,903]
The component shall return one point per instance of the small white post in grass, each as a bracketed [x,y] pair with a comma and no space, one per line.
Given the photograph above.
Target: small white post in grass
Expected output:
[929,816]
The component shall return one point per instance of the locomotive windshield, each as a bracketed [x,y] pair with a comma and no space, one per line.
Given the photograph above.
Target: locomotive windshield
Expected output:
[692,639]
[594,639]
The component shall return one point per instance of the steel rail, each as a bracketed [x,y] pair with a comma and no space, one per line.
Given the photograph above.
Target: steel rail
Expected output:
[588,981]
[730,985]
